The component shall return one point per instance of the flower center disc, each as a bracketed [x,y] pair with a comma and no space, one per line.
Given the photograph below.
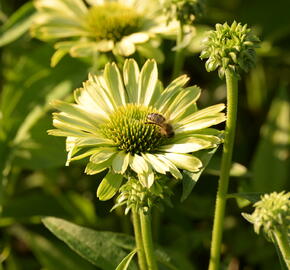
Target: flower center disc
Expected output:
[113,21]
[128,127]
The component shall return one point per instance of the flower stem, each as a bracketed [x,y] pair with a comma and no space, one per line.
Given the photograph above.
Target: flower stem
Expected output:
[179,55]
[139,242]
[232,102]
[281,238]
[145,219]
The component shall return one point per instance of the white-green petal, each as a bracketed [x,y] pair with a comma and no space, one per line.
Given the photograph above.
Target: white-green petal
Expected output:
[191,143]
[109,186]
[124,47]
[93,141]
[172,168]
[71,148]
[65,133]
[138,164]
[184,161]
[209,111]
[98,90]
[77,7]
[93,100]
[114,83]
[73,8]
[93,168]
[183,101]
[83,155]
[202,123]
[186,147]
[177,83]
[147,82]
[51,21]
[146,179]
[76,124]
[102,154]
[104,45]
[137,38]
[73,131]
[169,94]
[77,112]
[120,162]
[131,76]
[47,32]
[157,164]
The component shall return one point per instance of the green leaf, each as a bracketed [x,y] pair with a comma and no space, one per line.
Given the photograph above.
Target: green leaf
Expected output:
[124,264]
[250,196]
[17,24]
[109,186]
[52,254]
[30,84]
[103,249]
[189,178]
[271,161]
[34,149]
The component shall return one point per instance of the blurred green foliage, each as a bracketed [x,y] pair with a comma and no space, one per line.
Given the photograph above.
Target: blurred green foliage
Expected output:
[35,183]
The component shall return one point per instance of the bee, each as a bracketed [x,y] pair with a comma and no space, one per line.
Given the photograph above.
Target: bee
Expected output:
[159,120]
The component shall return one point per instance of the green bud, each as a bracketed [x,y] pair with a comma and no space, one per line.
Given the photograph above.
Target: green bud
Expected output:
[133,195]
[230,48]
[272,213]
[184,11]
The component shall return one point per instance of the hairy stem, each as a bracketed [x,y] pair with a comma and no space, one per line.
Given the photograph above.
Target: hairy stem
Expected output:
[281,238]
[179,55]
[139,242]
[145,219]
[232,102]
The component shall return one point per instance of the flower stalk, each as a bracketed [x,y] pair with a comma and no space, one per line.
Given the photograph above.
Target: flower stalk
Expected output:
[145,218]
[179,55]
[139,242]
[229,49]
[232,101]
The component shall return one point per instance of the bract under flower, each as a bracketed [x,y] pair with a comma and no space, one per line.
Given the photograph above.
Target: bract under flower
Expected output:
[109,124]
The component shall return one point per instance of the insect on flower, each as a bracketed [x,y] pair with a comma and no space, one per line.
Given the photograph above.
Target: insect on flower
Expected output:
[165,128]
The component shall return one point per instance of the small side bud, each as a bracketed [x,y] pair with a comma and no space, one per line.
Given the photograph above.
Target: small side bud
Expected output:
[134,196]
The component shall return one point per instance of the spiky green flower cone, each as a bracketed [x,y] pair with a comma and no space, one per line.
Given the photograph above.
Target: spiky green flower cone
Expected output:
[271,213]
[134,196]
[129,125]
[272,216]
[85,29]
[230,48]
[184,11]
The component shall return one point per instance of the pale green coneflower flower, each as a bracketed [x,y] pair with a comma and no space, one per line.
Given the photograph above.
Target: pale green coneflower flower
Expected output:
[131,126]
[84,29]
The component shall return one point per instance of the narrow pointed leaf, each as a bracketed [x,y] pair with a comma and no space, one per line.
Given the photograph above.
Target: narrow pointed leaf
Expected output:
[124,264]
